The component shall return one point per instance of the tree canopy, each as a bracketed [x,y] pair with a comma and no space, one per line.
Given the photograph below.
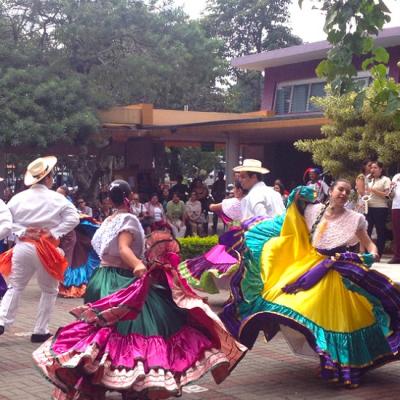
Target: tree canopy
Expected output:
[354,134]
[246,27]
[62,60]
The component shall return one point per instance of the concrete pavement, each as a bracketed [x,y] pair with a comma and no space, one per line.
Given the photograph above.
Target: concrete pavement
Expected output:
[390,270]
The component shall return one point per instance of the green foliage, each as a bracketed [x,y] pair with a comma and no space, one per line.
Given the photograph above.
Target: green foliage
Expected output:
[365,122]
[195,246]
[189,161]
[62,60]
[173,63]
[357,130]
[39,108]
[245,95]
[249,26]
[246,27]
[348,25]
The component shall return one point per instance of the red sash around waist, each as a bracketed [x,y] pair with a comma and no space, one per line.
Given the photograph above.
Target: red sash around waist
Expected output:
[53,262]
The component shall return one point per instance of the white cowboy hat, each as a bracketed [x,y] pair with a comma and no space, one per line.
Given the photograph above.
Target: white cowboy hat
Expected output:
[252,166]
[39,169]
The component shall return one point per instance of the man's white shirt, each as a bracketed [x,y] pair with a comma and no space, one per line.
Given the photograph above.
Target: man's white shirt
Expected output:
[262,201]
[5,220]
[42,208]
[396,192]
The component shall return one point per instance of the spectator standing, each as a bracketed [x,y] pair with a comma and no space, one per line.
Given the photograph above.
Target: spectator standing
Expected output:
[164,197]
[278,187]
[193,215]
[218,194]
[83,208]
[359,202]
[378,204]
[395,195]
[279,182]
[202,195]
[366,168]
[176,215]
[180,188]
[312,177]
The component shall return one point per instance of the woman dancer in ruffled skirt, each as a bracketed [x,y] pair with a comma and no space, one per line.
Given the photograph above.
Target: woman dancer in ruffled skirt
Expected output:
[142,331]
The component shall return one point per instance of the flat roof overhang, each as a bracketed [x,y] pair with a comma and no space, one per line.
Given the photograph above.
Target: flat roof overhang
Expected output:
[287,128]
[388,37]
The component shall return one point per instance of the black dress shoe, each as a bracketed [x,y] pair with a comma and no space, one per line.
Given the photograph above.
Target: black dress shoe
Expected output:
[40,337]
[1,329]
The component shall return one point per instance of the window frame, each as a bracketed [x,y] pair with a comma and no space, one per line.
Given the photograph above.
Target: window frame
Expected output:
[309,82]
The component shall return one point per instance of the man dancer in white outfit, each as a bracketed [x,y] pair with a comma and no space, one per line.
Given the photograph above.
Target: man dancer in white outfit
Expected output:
[5,230]
[262,200]
[36,211]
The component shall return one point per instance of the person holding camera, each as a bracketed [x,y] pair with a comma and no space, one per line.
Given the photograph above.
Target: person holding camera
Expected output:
[378,204]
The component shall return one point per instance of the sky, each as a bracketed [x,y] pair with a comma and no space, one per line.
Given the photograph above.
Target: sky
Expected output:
[306,23]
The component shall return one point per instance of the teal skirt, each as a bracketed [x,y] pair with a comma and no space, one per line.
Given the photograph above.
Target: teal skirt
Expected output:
[159,317]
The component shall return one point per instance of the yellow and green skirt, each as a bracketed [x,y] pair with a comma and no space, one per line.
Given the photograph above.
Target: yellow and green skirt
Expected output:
[346,313]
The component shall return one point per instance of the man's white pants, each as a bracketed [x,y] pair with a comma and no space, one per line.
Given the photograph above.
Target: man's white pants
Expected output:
[25,262]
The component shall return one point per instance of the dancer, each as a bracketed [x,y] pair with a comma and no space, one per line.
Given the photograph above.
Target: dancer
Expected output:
[221,261]
[5,230]
[82,259]
[146,340]
[323,298]
[262,200]
[40,217]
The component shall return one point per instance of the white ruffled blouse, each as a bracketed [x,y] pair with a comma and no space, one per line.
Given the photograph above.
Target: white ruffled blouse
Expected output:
[105,240]
[338,232]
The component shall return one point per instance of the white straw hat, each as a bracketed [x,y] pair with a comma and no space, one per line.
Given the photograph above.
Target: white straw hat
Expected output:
[39,169]
[251,165]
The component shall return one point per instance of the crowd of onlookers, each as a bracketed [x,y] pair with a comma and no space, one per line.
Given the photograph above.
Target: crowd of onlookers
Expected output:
[183,208]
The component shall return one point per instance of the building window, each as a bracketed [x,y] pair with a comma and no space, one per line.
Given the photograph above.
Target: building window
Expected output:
[294,97]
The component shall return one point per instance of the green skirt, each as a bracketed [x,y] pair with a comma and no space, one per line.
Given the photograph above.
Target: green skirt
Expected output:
[159,317]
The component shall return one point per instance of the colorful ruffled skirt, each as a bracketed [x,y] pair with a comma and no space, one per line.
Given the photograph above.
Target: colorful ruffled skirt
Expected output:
[149,338]
[221,261]
[328,305]
[83,260]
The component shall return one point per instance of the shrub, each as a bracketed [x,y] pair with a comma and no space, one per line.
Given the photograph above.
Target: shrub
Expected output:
[195,246]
